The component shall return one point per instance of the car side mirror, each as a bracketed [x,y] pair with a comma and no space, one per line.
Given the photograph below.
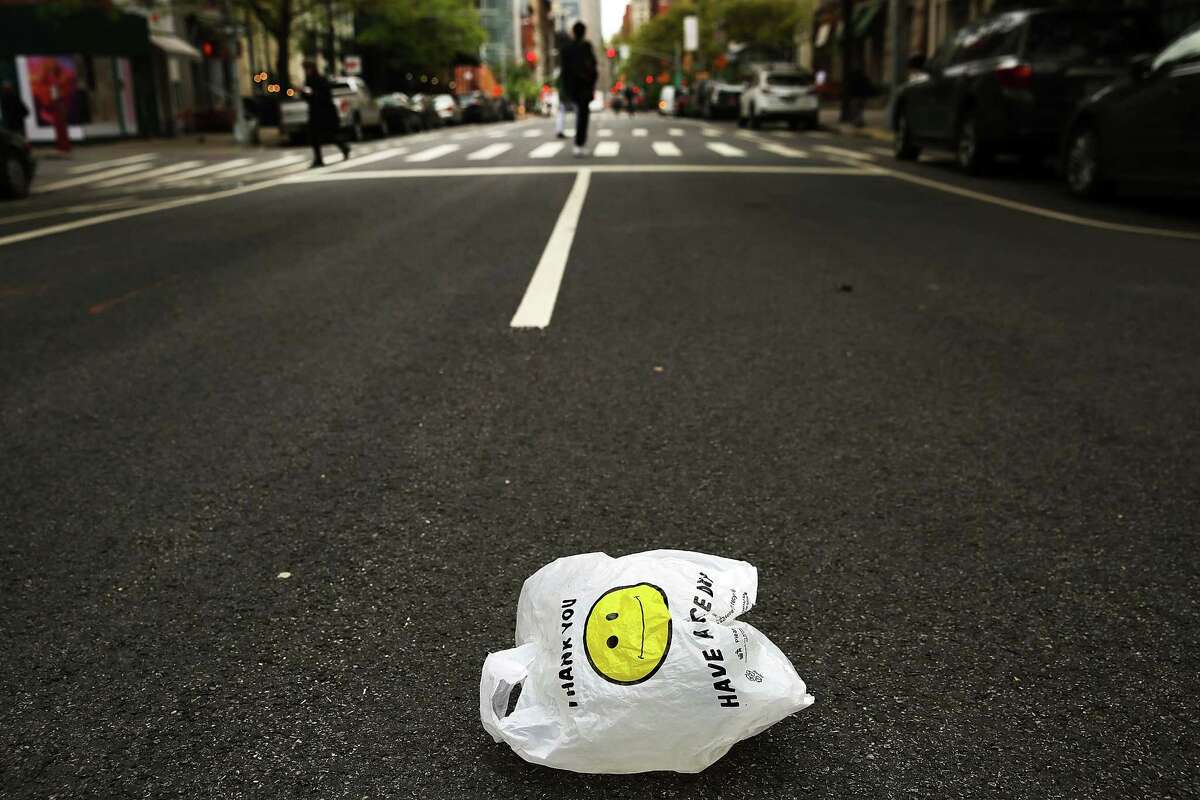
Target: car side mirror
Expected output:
[1140,67]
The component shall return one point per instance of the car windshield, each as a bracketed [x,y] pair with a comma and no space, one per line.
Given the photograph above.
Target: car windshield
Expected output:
[1112,37]
[789,79]
[340,86]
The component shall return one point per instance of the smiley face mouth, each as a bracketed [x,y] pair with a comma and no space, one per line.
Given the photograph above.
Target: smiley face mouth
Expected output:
[641,608]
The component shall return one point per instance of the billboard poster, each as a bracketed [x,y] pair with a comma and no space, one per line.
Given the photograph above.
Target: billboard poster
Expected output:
[96,93]
[53,77]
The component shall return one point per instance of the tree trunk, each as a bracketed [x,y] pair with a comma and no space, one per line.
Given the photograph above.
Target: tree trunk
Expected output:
[283,42]
[847,45]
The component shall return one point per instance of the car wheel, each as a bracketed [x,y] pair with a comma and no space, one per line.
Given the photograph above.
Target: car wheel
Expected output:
[1083,172]
[903,147]
[971,154]
[14,182]
[794,123]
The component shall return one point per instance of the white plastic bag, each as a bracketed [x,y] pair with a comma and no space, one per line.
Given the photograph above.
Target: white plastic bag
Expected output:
[636,663]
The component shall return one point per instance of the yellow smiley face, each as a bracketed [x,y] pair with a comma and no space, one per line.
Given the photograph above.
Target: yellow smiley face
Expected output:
[628,633]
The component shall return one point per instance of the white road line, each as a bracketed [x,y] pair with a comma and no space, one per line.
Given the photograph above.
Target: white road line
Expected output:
[115,162]
[783,150]
[154,173]
[262,167]
[675,131]
[839,151]
[117,202]
[604,133]
[546,150]
[382,155]
[318,176]
[640,131]
[210,169]
[532,133]
[666,149]
[820,134]
[491,151]
[783,135]
[86,179]
[569,133]
[727,150]
[537,305]
[433,152]
[497,134]
[747,135]
[880,151]
[710,131]
[607,149]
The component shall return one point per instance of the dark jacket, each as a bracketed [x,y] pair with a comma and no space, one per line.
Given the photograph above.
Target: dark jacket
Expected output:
[14,111]
[578,70]
[322,113]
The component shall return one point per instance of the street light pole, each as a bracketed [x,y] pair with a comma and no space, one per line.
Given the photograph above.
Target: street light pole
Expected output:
[241,131]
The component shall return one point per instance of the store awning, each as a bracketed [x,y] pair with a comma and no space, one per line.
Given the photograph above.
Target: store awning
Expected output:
[172,45]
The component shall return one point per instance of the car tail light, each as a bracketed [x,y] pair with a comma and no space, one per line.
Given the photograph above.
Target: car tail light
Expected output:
[1015,76]
[344,106]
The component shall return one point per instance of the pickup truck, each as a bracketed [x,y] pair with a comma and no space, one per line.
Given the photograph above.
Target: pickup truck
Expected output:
[356,109]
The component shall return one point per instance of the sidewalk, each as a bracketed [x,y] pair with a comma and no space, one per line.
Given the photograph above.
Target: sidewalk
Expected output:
[875,127]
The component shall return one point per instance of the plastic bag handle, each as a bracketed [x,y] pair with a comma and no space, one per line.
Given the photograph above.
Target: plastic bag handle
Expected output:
[501,672]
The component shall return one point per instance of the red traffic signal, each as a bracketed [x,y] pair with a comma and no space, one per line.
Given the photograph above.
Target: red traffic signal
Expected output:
[649,79]
[531,57]
[611,52]
[207,48]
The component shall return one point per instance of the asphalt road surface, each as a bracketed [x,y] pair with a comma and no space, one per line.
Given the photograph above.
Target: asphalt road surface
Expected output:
[953,422]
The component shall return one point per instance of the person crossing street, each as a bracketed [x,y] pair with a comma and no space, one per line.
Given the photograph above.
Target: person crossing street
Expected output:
[324,123]
[579,81]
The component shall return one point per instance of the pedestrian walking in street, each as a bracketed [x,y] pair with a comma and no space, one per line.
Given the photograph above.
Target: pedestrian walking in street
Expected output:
[324,124]
[630,98]
[860,89]
[579,80]
[563,106]
[12,108]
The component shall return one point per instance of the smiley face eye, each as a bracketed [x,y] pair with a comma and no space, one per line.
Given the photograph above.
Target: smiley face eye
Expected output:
[612,642]
[611,616]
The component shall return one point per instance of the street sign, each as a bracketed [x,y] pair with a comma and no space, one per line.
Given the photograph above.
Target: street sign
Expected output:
[352,65]
[691,33]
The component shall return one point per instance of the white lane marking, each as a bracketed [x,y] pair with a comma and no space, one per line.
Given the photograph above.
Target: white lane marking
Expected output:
[666,149]
[546,150]
[317,176]
[880,151]
[92,178]
[154,173]
[820,134]
[497,134]
[844,153]
[754,137]
[569,133]
[727,150]
[458,137]
[115,162]
[675,131]
[604,133]
[607,149]
[783,150]
[382,155]
[640,131]
[210,169]
[532,133]
[710,131]
[537,305]
[433,152]
[783,135]
[119,202]
[491,151]
[266,165]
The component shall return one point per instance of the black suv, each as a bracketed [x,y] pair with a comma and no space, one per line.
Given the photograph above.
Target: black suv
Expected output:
[1010,82]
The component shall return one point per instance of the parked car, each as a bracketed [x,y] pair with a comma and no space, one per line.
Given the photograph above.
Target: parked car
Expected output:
[1010,82]
[779,93]
[424,105]
[719,99]
[17,166]
[477,107]
[447,109]
[505,109]
[1145,127]
[400,113]
[357,111]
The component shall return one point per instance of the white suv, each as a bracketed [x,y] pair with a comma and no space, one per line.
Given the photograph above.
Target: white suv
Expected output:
[784,93]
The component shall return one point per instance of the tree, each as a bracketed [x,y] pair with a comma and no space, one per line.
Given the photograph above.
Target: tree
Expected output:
[424,33]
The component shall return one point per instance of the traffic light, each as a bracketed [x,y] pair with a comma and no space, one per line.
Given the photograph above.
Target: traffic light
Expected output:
[208,48]
[611,52]
[649,79]
[531,57]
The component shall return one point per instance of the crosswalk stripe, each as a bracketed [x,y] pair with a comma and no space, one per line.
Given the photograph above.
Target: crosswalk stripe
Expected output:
[676,131]
[783,150]
[500,134]
[211,168]
[880,151]
[604,132]
[532,133]
[710,131]
[640,131]
[92,178]
[260,167]
[727,150]
[83,169]
[547,150]
[841,151]
[607,149]
[666,149]
[753,137]
[491,151]
[820,134]
[433,152]
[154,173]
[782,135]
